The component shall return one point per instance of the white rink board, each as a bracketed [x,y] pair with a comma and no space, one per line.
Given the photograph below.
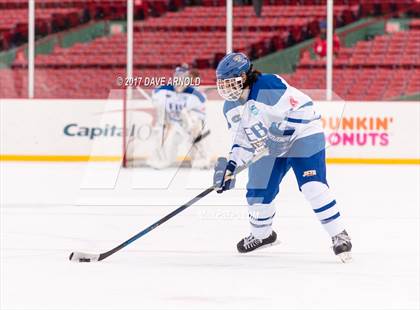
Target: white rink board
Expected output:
[93,128]
[37,127]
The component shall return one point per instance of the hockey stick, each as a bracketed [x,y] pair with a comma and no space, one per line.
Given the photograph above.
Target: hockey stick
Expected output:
[86,258]
[201,136]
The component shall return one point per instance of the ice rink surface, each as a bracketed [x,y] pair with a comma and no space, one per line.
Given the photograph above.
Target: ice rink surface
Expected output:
[190,262]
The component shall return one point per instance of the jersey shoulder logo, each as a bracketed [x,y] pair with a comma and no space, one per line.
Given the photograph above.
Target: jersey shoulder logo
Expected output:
[293,102]
[236,118]
[253,109]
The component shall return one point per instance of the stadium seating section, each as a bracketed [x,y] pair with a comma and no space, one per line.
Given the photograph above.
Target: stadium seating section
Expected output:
[168,33]
[389,64]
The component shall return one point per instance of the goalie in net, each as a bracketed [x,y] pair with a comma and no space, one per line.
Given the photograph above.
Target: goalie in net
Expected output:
[181,118]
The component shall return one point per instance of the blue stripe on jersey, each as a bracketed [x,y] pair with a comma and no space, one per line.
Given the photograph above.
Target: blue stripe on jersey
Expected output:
[288,132]
[196,92]
[245,148]
[332,218]
[301,121]
[259,226]
[263,219]
[164,87]
[326,207]
[308,104]
[267,89]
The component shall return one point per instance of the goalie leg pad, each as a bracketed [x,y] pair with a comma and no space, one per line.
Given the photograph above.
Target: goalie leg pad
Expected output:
[199,156]
[165,155]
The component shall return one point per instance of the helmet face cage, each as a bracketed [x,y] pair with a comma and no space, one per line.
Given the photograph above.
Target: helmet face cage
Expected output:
[230,89]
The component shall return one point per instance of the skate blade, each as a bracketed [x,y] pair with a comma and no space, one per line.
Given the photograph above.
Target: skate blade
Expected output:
[345,257]
[263,247]
[269,245]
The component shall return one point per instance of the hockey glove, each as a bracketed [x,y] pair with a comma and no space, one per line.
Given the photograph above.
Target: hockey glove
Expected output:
[224,177]
[278,140]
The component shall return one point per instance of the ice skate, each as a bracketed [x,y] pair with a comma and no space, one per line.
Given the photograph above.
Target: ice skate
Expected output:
[342,246]
[251,243]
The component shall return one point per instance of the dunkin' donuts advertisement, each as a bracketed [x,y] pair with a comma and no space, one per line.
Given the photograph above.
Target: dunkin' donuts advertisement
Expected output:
[378,130]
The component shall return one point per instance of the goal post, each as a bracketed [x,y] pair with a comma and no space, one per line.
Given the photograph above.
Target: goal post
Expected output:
[124,129]
[138,121]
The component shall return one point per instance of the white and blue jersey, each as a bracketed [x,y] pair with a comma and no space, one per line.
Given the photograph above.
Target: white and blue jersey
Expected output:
[270,100]
[191,100]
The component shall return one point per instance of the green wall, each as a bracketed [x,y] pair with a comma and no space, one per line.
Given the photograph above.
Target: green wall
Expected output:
[85,33]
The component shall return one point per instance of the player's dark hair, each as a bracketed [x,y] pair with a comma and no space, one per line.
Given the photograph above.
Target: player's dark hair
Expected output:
[251,77]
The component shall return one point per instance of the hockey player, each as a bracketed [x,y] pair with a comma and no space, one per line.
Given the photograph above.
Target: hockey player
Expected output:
[180,118]
[265,113]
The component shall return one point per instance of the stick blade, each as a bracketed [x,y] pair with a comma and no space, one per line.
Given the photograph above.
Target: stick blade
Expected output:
[345,257]
[80,257]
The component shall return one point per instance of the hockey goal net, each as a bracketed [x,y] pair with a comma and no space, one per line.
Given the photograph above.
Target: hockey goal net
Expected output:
[141,135]
[140,117]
